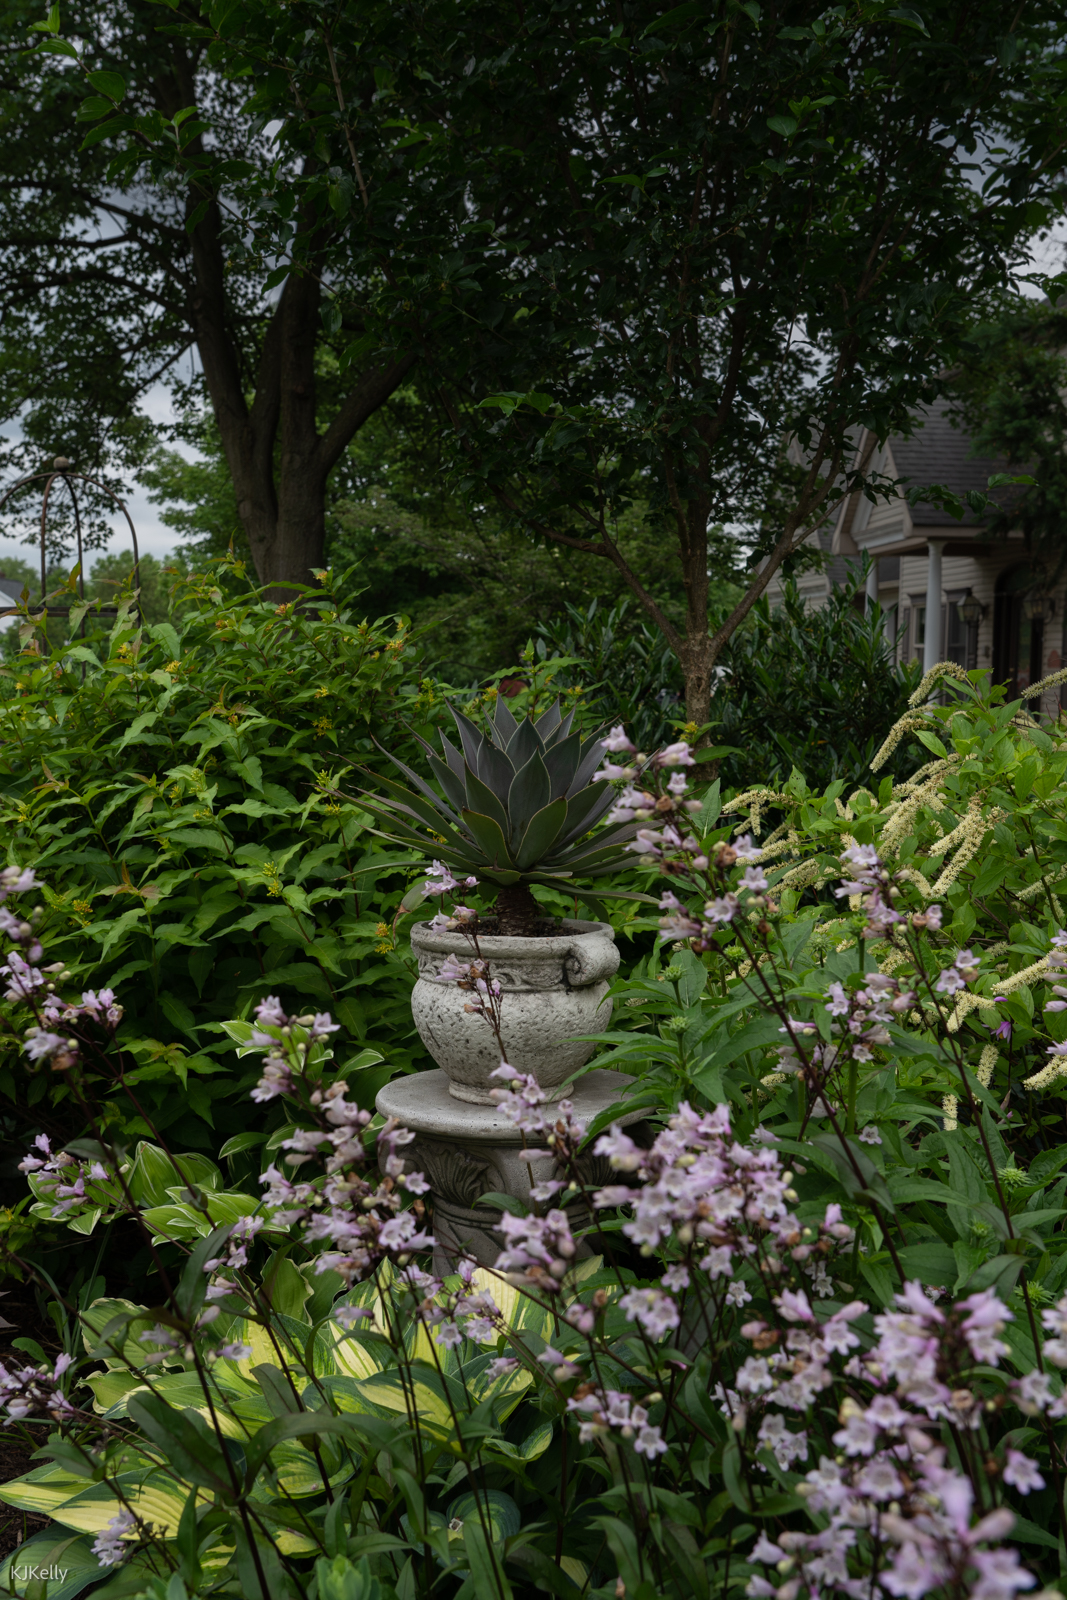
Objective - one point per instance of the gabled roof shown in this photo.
(939, 452)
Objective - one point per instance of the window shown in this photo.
(919, 627)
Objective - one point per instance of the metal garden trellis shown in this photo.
(62, 470)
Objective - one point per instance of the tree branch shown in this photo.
(371, 392)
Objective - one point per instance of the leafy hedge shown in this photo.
(178, 788)
(819, 1345)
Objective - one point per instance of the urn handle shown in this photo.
(590, 958)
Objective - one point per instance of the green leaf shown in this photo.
(541, 833)
(50, 25)
(504, 1517)
(178, 1013)
(879, 1279)
(188, 1543)
(910, 19)
(109, 84)
(694, 979)
(530, 791)
(732, 1477)
(870, 1186)
(487, 1570)
(931, 1262)
(94, 107)
(709, 812)
(53, 1548)
(931, 741)
(340, 1580)
(786, 126)
(490, 840)
(56, 47)
(241, 1141)
(186, 1441)
(678, 15)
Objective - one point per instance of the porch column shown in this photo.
(932, 645)
(872, 585)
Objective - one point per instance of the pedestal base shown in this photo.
(468, 1150)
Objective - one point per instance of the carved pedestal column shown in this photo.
(468, 1150)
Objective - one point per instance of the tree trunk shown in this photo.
(517, 912)
(278, 460)
(695, 653)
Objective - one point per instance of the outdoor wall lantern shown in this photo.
(971, 610)
(1038, 607)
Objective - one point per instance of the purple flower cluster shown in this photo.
(891, 1496)
(286, 1041)
(604, 1410)
(477, 979)
(71, 1185)
(538, 1251)
(19, 930)
(34, 1391)
(112, 1546)
(465, 1313)
(664, 809)
(29, 985)
(858, 1025)
(718, 1204)
(441, 881)
(875, 888)
(363, 1223)
(746, 892)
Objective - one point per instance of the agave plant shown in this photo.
(519, 804)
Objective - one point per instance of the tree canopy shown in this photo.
(637, 262)
(113, 280)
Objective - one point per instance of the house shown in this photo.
(947, 588)
(10, 590)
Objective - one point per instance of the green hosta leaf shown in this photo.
(180, 1221)
(111, 1331)
(535, 1444)
(186, 1441)
(286, 1287)
(504, 1517)
(241, 1142)
(487, 1570)
(154, 1174)
(43, 1491)
(55, 1548)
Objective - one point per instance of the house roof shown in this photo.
(939, 452)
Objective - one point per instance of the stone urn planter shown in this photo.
(553, 988)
